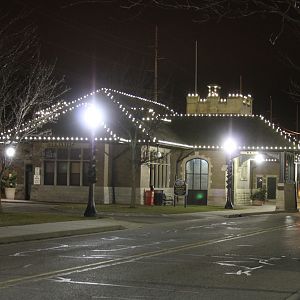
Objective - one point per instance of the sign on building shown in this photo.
(37, 179)
(180, 187)
(37, 170)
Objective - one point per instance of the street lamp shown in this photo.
(92, 117)
(259, 158)
(10, 152)
(229, 147)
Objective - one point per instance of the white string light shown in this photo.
(56, 110)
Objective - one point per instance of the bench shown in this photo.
(168, 200)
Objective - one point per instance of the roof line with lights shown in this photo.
(142, 99)
(60, 108)
(286, 135)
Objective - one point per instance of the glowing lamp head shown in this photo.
(92, 116)
(10, 152)
(230, 146)
(259, 158)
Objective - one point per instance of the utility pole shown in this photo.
(196, 68)
(271, 109)
(241, 85)
(155, 65)
(297, 116)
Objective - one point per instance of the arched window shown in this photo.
(197, 174)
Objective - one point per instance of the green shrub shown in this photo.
(9, 179)
(259, 195)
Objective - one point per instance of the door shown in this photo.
(196, 172)
(28, 181)
(271, 187)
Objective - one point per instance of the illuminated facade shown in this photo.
(53, 162)
(214, 104)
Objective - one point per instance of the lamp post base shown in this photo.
(90, 211)
(228, 205)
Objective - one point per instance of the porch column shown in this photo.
(105, 175)
(287, 199)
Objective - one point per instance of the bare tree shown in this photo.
(27, 84)
(285, 16)
(138, 126)
(287, 12)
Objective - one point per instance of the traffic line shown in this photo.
(131, 258)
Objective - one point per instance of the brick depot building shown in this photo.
(53, 162)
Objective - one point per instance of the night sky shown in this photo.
(104, 45)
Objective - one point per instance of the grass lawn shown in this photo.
(10, 219)
(73, 212)
(141, 209)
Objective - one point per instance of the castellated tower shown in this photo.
(214, 104)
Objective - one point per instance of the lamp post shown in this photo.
(229, 147)
(229, 204)
(92, 117)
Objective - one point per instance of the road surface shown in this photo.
(254, 257)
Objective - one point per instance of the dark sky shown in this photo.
(99, 45)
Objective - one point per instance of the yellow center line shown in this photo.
(122, 260)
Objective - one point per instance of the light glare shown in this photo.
(92, 116)
(230, 145)
(259, 158)
(10, 151)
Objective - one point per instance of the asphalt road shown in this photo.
(254, 257)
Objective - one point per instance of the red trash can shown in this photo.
(149, 198)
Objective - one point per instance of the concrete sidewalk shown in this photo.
(9, 234)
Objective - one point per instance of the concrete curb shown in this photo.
(295, 296)
(254, 213)
(56, 234)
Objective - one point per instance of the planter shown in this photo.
(10, 193)
(257, 202)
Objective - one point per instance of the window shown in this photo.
(85, 179)
(62, 172)
(197, 174)
(159, 170)
(75, 154)
(259, 182)
(75, 173)
(50, 153)
(66, 166)
(49, 172)
(86, 154)
(62, 153)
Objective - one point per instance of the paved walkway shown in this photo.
(9, 234)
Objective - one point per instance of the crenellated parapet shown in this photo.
(213, 103)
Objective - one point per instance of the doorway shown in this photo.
(271, 187)
(196, 176)
(28, 181)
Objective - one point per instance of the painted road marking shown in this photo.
(131, 258)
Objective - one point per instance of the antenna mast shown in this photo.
(155, 64)
(196, 67)
(271, 109)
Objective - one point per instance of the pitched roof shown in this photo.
(120, 110)
(203, 131)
